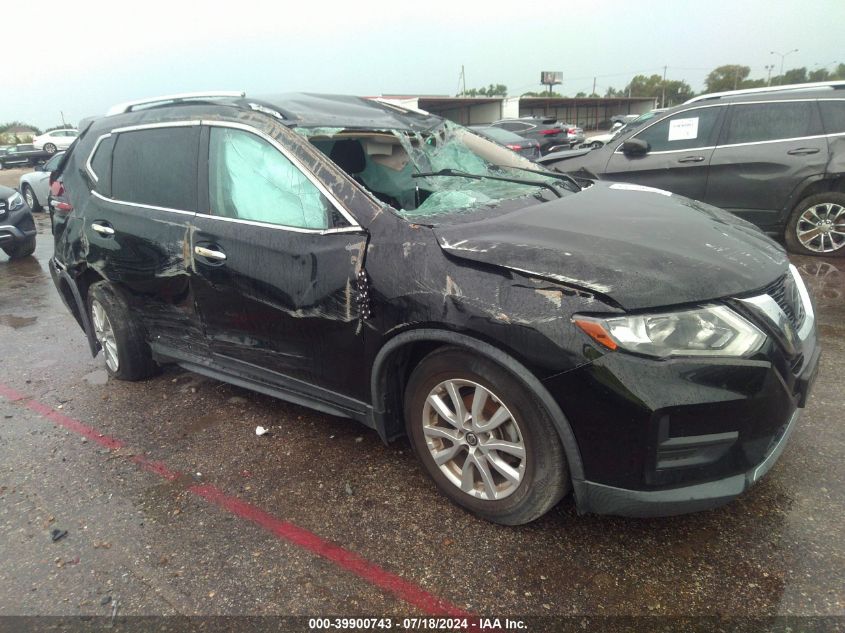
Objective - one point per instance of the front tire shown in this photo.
(31, 200)
(120, 335)
(816, 226)
(50, 148)
(484, 438)
(596, 145)
(21, 249)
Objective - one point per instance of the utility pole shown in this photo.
(62, 114)
(663, 93)
(594, 87)
(736, 77)
(769, 68)
(463, 81)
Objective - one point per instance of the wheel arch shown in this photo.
(397, 356)
(821, 183)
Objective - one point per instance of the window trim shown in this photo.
(354, 226)
(89, 167)
(353, 223)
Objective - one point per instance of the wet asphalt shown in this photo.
(139, 543)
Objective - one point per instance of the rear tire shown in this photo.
(21, 249)
(31, 200)
(513, 484)
(809, 230)
(121, 336)
(596, 145)
(50, 148)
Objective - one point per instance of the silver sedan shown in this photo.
(35, 185)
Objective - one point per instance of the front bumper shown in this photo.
(601, 499)
(16, 226)
(669, 437)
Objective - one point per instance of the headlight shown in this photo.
(15, 202)
(709, 331)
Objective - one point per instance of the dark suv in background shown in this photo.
(774, 157)
(531, 334)
(551, 134)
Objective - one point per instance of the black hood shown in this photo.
(641, 247)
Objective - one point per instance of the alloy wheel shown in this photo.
(821, 227)
(105, 334)
(474, 439)
(27, 195)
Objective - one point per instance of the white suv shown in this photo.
(55, 140)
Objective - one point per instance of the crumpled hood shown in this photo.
(641, 247)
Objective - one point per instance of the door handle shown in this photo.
(202, 251)
(801, 151)
(102, 229)
(691, 159)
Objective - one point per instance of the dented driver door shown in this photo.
(273, 276)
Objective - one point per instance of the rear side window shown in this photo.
(101, 165)
(249, 179)
(833, 115)
(686, 130)
(157, 167)
(752, 123)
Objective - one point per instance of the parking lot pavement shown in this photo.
(172, 504)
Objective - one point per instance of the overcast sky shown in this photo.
(107, 52)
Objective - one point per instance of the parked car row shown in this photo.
(548, 132)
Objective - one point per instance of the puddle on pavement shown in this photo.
(16, 322)
(97, 377)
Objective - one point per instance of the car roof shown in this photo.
(301, 109)
(818, 90)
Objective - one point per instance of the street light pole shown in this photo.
(782, 57)
(769, 68)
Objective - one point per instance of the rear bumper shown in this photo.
(602, 499)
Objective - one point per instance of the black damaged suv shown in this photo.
(531, 334)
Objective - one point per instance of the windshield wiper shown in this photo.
(550, 174)
(464, 174)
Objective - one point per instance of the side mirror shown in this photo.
(635, 147)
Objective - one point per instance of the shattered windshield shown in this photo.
(388, 162)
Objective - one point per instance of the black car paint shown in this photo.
(22, 155)
(359, 308)
(15, 226)
(760, 182)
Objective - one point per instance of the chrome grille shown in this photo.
(786, 295)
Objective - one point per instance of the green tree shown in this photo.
(493, 90)
(544, 93)
(727, 77)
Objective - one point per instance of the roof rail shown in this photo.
(122, 108)
(751, 91)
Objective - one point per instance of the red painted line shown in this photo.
(350, 561)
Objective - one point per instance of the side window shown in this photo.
(686, 130)
(157, 167)
(752, 123)
(833, 115)
(513, 126)
(249, 179)
(101, 165)
(51, 164)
